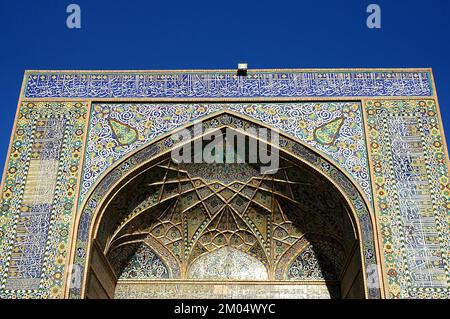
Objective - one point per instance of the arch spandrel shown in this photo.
(102, 192)
(334, 129)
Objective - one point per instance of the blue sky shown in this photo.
(189, 34)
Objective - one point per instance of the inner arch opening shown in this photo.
(226, 230)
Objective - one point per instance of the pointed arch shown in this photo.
(142, 159)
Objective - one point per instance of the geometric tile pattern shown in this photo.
(411, 187)
(230, 233)
(318, 83)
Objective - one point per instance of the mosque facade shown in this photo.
(94, 205)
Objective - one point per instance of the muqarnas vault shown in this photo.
(93, 206)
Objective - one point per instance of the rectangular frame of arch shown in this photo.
(403, 144)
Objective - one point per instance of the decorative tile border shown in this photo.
(189, 290)
(223, 84)
(36, 214)
(412, 196)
